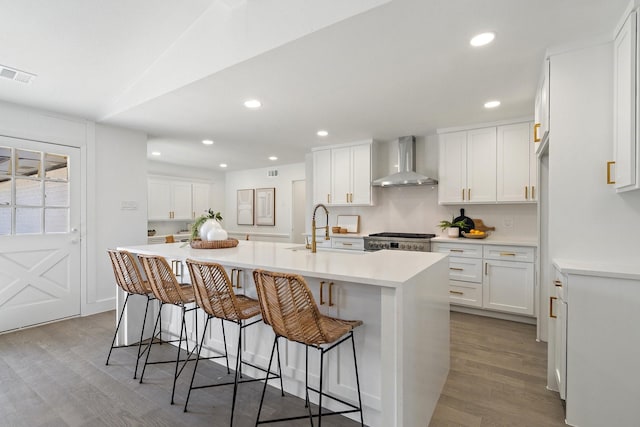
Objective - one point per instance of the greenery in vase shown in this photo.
(448, 224)
(210, 214)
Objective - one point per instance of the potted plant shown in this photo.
(207, 227)
(454, 227)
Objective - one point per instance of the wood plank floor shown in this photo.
(54, 375)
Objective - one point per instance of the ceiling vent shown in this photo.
(16, 75)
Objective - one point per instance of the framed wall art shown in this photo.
(245, 207)
(266, 206)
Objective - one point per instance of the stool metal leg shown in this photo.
(155, 326)
(144, 322)
(266, 379)
(279, 369)
(355, 364)
(115, 334)
(183, 328)
(224, 339)
(204, 333)
(320, 392)
(237, 374)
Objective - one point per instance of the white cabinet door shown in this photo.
(159, 200)
(453, 167)
(508, 286)
(181, 200)
(513, 150)
(625, 139)
(200, 199)
(481, 165)
(322, 176)
(340, 175)
(361, 174)
(561, 347)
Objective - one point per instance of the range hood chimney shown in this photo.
(406, 174)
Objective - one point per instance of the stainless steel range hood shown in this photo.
(407, 167)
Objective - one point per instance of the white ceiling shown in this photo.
(180, 71)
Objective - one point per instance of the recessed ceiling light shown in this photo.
(482, 39)
(322, 133)
(253, 103)
(491, 104)
(155, 153)
(273, 158)
(207, 142)
(223, 165)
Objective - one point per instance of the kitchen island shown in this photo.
(402, 298)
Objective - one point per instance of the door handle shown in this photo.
(321, 291)
(331, 294)
(558, 283)
(456, 269)
(609, 180)
(536, 128)
(551, 307)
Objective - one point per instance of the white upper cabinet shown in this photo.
(342, 175)
(625, 139)
(321, 176)
(488, 165)
(481, 165)
(200, 199)
(174, 199)
(541, 124)
(517, 170)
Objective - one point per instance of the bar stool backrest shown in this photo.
(163, 282)
(289, 307)
(127, 273)
(213, 290)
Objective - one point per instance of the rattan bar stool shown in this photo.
(214, 294)
(289, 307)
(130, 280)
(167, 290)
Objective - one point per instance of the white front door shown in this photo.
(39, 232)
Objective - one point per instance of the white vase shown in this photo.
(217, 234)
(208, 225)
(453, 232)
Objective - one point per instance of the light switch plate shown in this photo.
(129, 205)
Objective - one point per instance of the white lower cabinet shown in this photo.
(493, 277)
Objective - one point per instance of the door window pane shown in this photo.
(5, 191)
(28, 192)
(28, 163)
(56, 166)
(56, 220)
(28, 220)
(5, 221)
(5, 161)
(56, 193)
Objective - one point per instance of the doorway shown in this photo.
(298, 203)
(39, 237)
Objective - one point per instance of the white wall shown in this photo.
(258, 178)
(118, 178)
(588, 220)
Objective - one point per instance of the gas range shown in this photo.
(398, 241)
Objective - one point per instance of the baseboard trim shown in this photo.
(494, 314)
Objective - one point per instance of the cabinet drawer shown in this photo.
(509, 253)
(356, 244)
(464, 293)
(465, 269)
(458, 249)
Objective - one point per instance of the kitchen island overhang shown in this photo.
(402, 297)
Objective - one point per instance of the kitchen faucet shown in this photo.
(314, 228)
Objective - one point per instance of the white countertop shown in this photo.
(381, 268)
(584, 268)
(489, 240)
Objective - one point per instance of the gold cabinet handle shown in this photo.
(507, 254)
(609, 180)
(551, 307)
(456, 250)
(176, 266)
(456, 292)
(468, 194)
(328, 200)
(463, 194)
(533, 192)
(321, 292)
(486, 268)
(456, 269)
(330, 294)
(236, 272)
(347, 244)
(536, 128)
(558, 283)
(526, 192)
